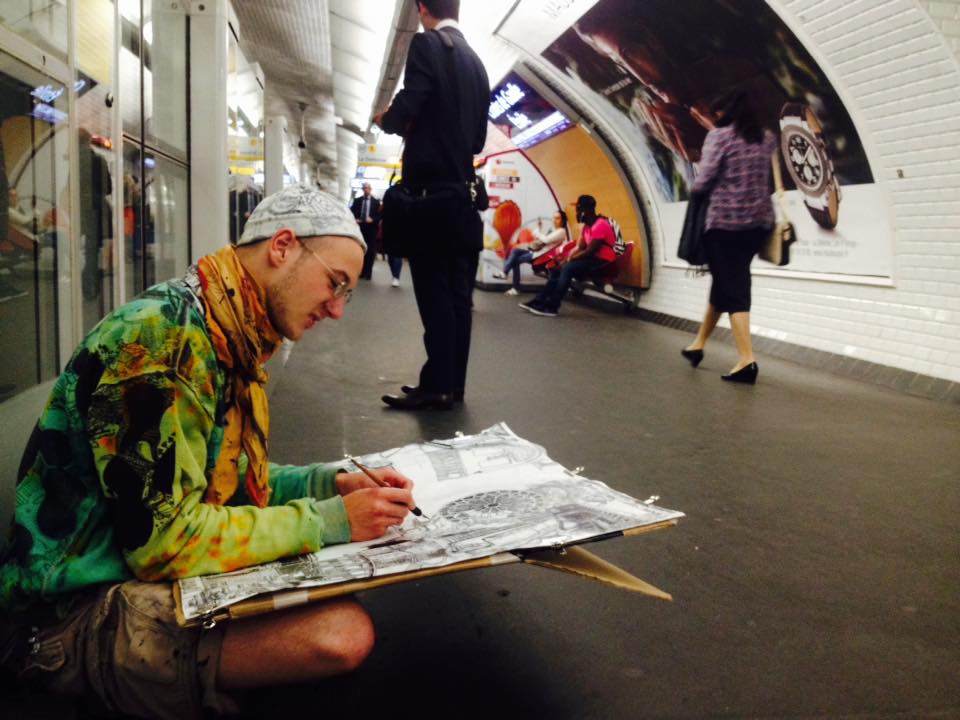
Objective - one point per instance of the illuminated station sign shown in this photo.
(523, 115)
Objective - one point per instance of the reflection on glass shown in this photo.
(95, 58)
(244, 137)
(34, 229)
(167, 193)
(165, 77)
(243, 196)
(155, 219)
(129, 58)
(43, 24)
(96, 226)
(133, 234)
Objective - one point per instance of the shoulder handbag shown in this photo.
(552, 259)
(691, 246)
(412, 215)
(776, 248)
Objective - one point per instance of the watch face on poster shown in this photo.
(808, 162)
(805, 162)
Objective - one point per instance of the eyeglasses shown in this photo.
(341, 288)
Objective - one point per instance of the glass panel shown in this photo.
(43, 24)
(34, 228)
(94, 100)
(130, 48)
(165, 78)
(167, 231)
(244, 138)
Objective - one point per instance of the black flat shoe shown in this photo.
(420, 401)
(695, 357)
(414, 389)
(747, 375)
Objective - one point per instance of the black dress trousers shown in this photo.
(443, 286)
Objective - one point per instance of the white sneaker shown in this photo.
(511, 292)
(395, 283)
(499, 275)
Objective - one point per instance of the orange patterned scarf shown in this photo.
(243, 338)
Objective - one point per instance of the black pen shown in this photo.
(366, 471)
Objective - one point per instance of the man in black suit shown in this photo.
(442, 115)
(366, 209)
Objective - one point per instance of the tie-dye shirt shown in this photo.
(113, 479)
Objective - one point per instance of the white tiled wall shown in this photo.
(895, 63)
(946, 15)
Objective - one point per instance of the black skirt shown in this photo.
(729, 253)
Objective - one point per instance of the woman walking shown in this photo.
(735, 170)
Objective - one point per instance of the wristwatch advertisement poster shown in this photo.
(807, 159)
(657, 77)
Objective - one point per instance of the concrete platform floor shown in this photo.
(816, 573)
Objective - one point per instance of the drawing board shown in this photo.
(492, 496)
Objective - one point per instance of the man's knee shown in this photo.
(351, 639)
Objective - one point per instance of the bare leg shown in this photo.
(740, 324)
(710, 318)
(296, 645)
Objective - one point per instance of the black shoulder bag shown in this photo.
(691, 246)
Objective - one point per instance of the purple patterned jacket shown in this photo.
(737, 175)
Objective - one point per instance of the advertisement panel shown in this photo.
(521, 202)
(653, 70)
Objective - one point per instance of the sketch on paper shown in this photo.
(483, 494)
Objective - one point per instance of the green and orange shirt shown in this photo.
(113, 480)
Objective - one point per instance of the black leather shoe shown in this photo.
(414, 389)
(420, 401)
(747, 374)
(694, 357)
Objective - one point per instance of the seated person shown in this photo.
(593, 250)
(150, 464)
(526, 253)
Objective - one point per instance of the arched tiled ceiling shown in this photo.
(359, 30)
(321, 60)
(330, 64)
(290, 39)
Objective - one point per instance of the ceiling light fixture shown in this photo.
(303, 114)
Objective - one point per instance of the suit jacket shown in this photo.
(443, 127)
(357, 207)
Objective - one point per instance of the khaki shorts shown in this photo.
(123, 652)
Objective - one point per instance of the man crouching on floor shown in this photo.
(150, 464)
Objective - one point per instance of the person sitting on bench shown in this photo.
(593, 251)
(528, 252)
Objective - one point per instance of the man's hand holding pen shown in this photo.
(376, 504)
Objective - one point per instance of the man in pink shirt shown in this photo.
(594, 250)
